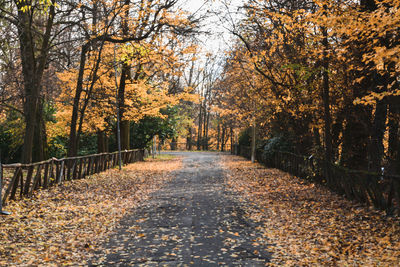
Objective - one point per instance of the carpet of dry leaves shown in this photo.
(66, 224)
(307, 225)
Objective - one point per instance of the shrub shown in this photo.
(277, 143)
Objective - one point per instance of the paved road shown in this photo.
(193, 221)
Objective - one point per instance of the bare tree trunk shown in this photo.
(199, 130)
(394, 144)
(317, 137)
(218, 134)
(337, 129)
(34, 55)
(206, 131)
(326, 99)
(189, 139)
(253, 142)
(223, 139)
(73, 142)
(232, 140)
(125, 135)
(40, 137)
(101, 142)
(173, 144)
(125, 124)
(356, 137)
(357, 133)
(30, 111)
(75, 133)
(378, 131)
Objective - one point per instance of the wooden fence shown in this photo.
(21, 180)
(377, 189)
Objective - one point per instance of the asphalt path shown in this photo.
(192, 221)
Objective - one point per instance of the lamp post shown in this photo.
(118, 118)
(253, 135)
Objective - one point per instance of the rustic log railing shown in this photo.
(21, 180)
(377, 189)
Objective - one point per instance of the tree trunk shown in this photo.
(173, 144)
(199, 130)
(40, 139)
(189, 139)
(30, 111)
(317, 138)
(206, 131)
(125, 75)
(232, 140)
(337, 129)
(218, 134)
(125, 135)
(356, 138)
(102, 142)
(223, 139)
(203, 141)
(326, 99)
(74, 137)
(378, 131)
(72, 141)
(125, 124)
(253, 142)
(34, 55)
(394, 144)
(357, 132)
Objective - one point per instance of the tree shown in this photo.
(34, 22)
(152, 19)
(322, 71)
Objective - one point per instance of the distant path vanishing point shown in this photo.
(193, 221)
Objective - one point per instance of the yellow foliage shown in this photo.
(146, 90)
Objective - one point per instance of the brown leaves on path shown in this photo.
(66, 224)
(307, 225)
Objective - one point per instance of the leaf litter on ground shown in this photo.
(66, 224)
(307, 225)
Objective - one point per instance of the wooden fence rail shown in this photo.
(377, 189)
(21, 180)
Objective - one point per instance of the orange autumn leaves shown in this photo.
(277, 61)
(65, 225)
(144, 96)
(152, 63)
(307, 225)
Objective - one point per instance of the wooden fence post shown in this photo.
(81, 160)
(36, 180)
(2, 212)
(28, 181)
(61, 173)
(56, 171)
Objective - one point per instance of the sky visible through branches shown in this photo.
(220, 14)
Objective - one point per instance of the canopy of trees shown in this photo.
(67, 68)
(323, 74)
